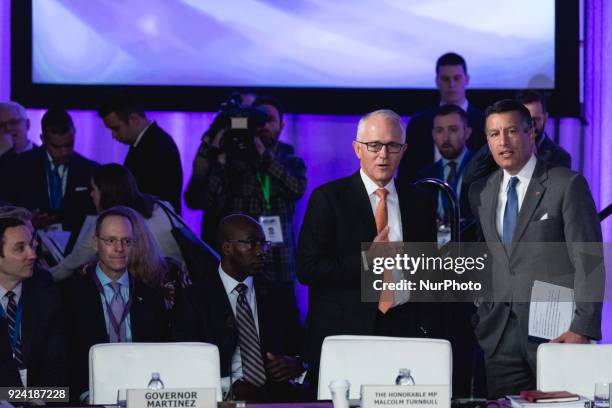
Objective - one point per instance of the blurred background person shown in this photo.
(112, 185)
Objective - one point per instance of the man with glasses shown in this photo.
(32, 343)
(106, 304)
(253, 321)
(14, 126)
(369, 206)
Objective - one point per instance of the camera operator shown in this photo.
(242, 168)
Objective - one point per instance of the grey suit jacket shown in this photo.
(557, 239)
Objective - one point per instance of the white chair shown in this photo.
(377, 360)
(115, 366)
(573, 367)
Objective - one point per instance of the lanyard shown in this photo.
(18, 317)
(111, 316)
(265, 188)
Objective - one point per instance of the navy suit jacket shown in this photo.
(43, 338)
(156, 165)
(87, 327)
(420, 144)
(25, 185)
(436, 171)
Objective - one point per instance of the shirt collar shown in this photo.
(16, 290)
(105, 280)
(230, 283)
(28, 147)
(524, 175)
(59, 167)
(458, 159)
(142, 132)
(463, 105)
(371, 186)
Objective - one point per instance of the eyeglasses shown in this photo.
(253, 243)
(11, 123)
(111, 242)
(375, 147)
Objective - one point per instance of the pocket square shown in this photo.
(544, 217)
(80, 188)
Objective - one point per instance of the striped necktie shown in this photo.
(11, 317)
(253, 369)
(381, 217)
(117, 306)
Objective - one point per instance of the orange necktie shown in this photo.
(381, 217)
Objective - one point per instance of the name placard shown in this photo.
(405, 396)
(172, 398)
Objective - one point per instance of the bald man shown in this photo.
(254, 323)
(340, 216)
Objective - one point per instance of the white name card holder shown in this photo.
(172, 398)
(405, 396)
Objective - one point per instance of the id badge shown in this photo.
(271, 225)
(24, 376)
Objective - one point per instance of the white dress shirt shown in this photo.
(230, 284)
(524, 177)
(394, 220)
(142, 132)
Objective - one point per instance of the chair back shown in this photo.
(573, 367)
(114, 366)
(377, 360)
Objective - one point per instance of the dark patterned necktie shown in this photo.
(250, 349)
(11, 317)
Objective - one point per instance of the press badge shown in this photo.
(271, 225)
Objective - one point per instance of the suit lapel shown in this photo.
(363, 208)
(406, 212)
(534, 194)
(488, 207)
(264, 311)
(41, 169)
(30, 318)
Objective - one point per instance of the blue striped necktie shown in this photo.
(253, 369)
(11, 317)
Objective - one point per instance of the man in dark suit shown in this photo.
(153, 157)
(106, 304)
(450, 133)
(32, 343)
(451, 80)
(54, 181)
(254, 323)
(524, 208)
(547, 150)
(369, 206)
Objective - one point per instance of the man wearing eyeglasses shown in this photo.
(32, 343)
(253, 321)
(14, 126)
(369, 206)
(106, 304)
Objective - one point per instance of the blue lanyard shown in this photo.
(17, 334)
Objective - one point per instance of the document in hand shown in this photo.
(551, 310)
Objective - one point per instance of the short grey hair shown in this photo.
(388, 114)
(10, 105)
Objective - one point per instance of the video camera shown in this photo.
(240, 124)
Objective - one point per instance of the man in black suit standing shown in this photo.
(105, 304)
(483, 163)
(369, 206)
(32, 343)
(451, 80)
(254, 322)
(52, 182)
(153, 157)
(540, 224)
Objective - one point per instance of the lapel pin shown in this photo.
(139, 299)
(537, 193)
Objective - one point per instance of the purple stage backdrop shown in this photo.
(325, 141)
